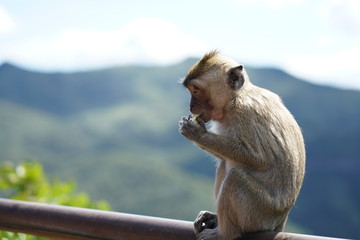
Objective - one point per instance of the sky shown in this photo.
(317, 40)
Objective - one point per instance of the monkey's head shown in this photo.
(213, 83)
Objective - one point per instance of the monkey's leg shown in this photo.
(245, 205)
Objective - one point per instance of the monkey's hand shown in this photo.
(192, 130)
(205, 220)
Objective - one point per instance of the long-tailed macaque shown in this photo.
(257, 143)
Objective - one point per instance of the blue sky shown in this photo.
(317, 40)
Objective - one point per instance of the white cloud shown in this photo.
(142, 41)
(6, 22)
(273, 4)
(344, 15)
(339, 68)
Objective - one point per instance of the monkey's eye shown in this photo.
(195, 90)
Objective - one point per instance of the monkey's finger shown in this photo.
(200, 122)
(206, 216)
(183, 128)
(211, 223)
(208, 234)
(185, 119)
(198, 226)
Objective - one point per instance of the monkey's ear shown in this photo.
(236, 77)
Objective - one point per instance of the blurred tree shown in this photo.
(27, 181)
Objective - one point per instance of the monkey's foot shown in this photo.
(208, 234)
(205, 220)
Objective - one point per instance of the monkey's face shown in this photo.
(210, 95)
(200, 102)
(213, 82)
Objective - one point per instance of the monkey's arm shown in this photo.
(223, 147)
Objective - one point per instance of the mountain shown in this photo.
(115, 131)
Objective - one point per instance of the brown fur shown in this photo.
(258, 144)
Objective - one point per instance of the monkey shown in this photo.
(257, 143)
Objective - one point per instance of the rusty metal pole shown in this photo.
(69, 223)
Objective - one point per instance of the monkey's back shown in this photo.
(264, 124)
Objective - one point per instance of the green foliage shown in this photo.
(27, 181)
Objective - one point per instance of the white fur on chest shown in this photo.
(216, 128)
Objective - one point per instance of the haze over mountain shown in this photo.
(115, 132)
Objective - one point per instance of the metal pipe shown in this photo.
(65, 223)
(70, 223)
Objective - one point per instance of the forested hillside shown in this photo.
(115, 132)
